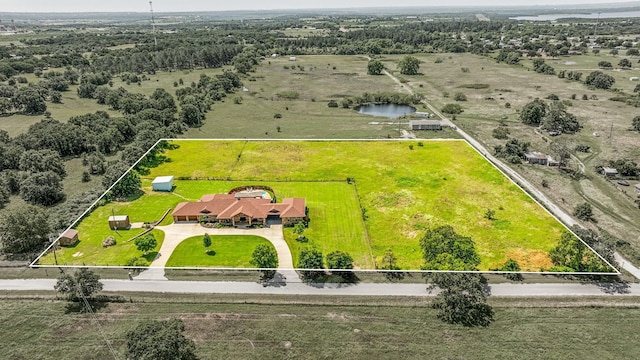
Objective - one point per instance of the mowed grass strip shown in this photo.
(226, 251)
(404, 191)
(32, 329)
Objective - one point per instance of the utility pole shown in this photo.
(153, 24)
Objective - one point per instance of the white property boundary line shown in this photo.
(617, 272)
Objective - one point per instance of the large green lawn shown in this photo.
(226, 251)
(404, 192)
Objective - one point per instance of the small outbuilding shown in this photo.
(425, 125)
(68, 237)
(535, 157)
(119, 222)
(162, 183)
(609, 172)
(634, 78)
(292, 58)
(637, 187)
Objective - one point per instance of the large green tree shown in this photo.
(83, 283)
(444, 249)
(146, 243)
(375, 67)
(409, 65)
(129, 184)
(265, 257)
(600, 80)
(310, 258)
(43, 188)
(24, 229)
(533, 112)
(462, 299)
(340, 260)
(159, 340)
(558, 119)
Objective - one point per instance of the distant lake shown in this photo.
(604, 15)
(390, 111)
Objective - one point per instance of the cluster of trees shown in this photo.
(312, 259)
(625, 167)
(571, 255)
(513, 150)
(552, 117)
(540, 66)
(462, 298)
(599, 80)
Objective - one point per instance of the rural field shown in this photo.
(490, 86)
(401, 189)
(268, 327)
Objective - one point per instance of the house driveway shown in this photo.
(174, 234)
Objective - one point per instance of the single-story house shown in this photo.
(609, 172)
(162, 183)
(236, 209)
(535, 157)
(425, 125)
(68, 237)
(119, 222)
(552, 162)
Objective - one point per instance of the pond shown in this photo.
(390, 111)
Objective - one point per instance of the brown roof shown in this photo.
(226, 206)
(70, 234)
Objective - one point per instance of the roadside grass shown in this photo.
(260, 327)
(226, 251)
(403, 191)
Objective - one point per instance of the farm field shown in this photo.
(401, 189)
(259, 327)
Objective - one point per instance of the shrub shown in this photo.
(459, 97)
(110, 241)
(452, 109)
(332, 104)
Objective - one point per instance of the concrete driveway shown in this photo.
(174, 234)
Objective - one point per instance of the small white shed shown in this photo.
(163, 183)
(292, 58)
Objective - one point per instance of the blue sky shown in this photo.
(199, 5)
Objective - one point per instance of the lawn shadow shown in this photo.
(75, 244)
(150, 256)
(333, 281)
(607, 284)
(278, 280)
(97, 303)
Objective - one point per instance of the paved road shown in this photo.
(365, 289)
(174, 234)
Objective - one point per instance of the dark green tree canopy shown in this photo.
(409, 65)
(533, 112)
(444, 249)
(159, 340)
(462, 299)
(375, 67)
(82, 283)
(24, 229)
(310, 258)
(265, 257)
(600, 80)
